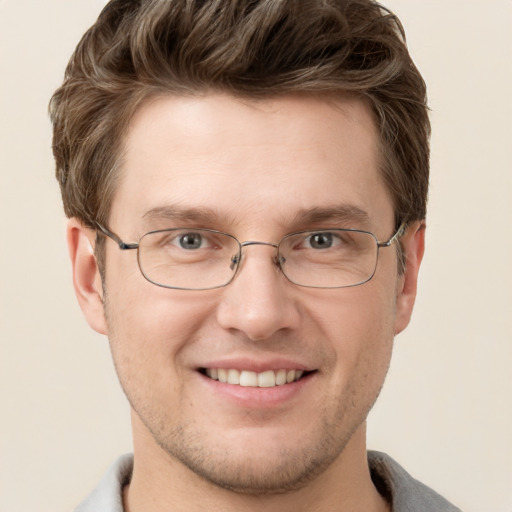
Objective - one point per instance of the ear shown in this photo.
(86, 276)
(413, 245)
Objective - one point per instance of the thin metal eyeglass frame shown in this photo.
(124, 246)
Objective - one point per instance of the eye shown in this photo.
(321, 241)
(190, 241)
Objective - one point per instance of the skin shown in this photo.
(257, 166)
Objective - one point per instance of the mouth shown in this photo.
(246, 378)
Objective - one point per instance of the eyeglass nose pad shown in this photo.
(278, 260)
(234, 261)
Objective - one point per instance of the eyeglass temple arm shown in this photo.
(122, 245)
(399, 232)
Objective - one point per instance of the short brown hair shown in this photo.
(250, 48)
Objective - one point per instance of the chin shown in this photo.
(256, 462)
(258, 475)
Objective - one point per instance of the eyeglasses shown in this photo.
(203, 259)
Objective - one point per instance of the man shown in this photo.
(246, 184)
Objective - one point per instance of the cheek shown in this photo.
(148, 336)
(359, 326)
(149, 327)
(365, 312)
(142, 313)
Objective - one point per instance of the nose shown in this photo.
(259, 302)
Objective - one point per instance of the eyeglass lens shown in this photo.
(201, 259)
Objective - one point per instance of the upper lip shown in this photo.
(258, 366)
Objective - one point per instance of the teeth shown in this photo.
(280, 377)
(248, 379)
(233, 377)
(267, 379)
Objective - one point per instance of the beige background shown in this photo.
(446, 411)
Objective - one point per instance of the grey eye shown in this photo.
(191, 241)
(320, 241)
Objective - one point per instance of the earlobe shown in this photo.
(86, 276)
(413, 244)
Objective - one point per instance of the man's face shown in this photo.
(260, 170)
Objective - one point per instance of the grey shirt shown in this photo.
(404, 492)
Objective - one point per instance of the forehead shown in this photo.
(250, 160)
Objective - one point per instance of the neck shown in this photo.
(160, 482)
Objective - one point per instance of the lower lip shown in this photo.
(258, 398)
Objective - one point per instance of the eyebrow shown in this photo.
(199, 215)
(341, 214)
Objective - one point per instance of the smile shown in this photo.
(266, 379)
